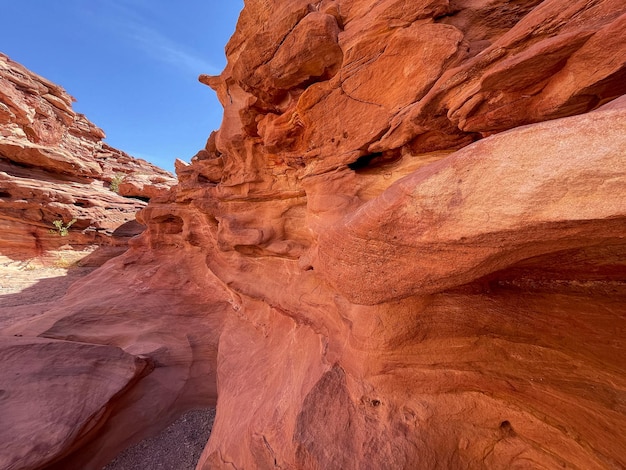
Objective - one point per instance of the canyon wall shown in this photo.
(404, 247)
(55, 168)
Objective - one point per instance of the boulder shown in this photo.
(56, 395)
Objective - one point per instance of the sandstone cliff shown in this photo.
(404, 247)
(55, 167)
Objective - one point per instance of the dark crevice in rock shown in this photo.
(140, 198)
(364, 161)
(374, 161)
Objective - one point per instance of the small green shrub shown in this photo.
(115, 182)
(62, 229)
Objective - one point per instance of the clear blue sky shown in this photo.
(132, 65)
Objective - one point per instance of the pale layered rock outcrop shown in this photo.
(404, 247)
(54, 166)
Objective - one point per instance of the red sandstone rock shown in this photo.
(520, 194)
(55, 167)
(355, 291)
(56, 395)
(127, 311)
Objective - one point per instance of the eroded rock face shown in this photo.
(55, 167)
(55, 395)
(353, 289)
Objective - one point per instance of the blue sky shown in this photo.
(132, 65)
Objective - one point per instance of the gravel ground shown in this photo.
(177, 447)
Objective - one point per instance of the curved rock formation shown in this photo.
(353, 289)
(54, 167)
(91, 376)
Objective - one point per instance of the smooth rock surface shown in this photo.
(56, 395)
(510, 197)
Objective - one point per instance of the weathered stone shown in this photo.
(55, 396)
(54, 168)
(520, 194)
(359, 284)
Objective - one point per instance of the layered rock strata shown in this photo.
(55, 168)
(404, 247)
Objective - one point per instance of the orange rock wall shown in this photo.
(403, 248)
